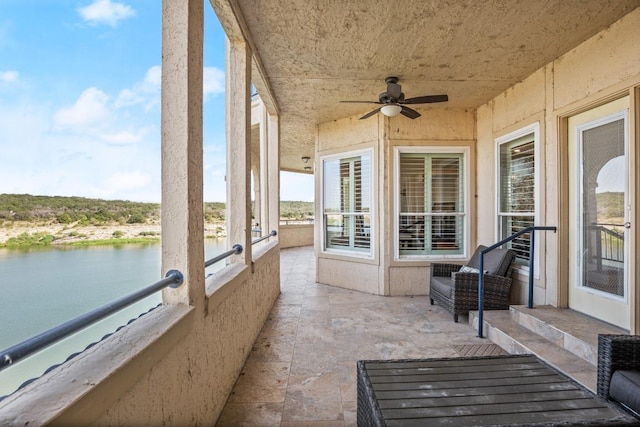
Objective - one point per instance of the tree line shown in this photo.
(87, 211)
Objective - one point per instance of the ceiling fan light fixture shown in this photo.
(391, 110)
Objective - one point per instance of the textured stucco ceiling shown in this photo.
(314, 53)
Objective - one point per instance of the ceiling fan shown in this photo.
(393, 101)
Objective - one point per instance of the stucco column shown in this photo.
(181, 128)
(273, 173)
(262, 209)
(238, 125)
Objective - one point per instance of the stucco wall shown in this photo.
(340, 269)
(294, 235)
(197, 376)
(602, 67)
(382, 273)
(436, 128)
(175, 366)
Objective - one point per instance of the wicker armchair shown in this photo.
(457, 291)
(619, 370)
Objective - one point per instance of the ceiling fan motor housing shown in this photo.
(384, 98)
(393, 101)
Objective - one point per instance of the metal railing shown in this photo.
(260, 239)
(531, 230)
(609, 244)
(235, 250)
(173, 279)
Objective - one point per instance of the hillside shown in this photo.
(27, 220)
(84, 211)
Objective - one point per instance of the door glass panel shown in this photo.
(603, 207)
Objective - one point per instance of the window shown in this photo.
(517, 188)
(347, 203)
(431, 202)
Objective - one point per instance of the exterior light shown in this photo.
(307, 168)
(391, 110)
(306, 159)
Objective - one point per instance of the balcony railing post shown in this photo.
(531, 273)
(481, 296)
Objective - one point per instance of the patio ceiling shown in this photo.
(310, 54)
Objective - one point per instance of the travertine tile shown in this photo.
(261, 382)
(254, 414)
(302, 369)
(312, 398)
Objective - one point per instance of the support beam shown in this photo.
(238, 125)
(273, 174)
(181, 128)
(264, 173)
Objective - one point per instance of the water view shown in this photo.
(42, 288)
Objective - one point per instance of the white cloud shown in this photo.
(106, 12)
(90, 108)
(122, 138)
(146, 92)
(213, 81)
(153, 77)
(8, 76)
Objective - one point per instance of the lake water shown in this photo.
(43, 287)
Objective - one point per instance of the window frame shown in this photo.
(532, 129)
(372, 221)
(465, 152)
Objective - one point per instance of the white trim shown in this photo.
(466, 174)
(372, 191)
(610, 118)
(534, 129)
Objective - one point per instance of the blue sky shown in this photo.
(80, 101)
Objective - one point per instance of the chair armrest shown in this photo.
(468, 282)
(440, 269)
(616, 352)
(496, 291)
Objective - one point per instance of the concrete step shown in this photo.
(568, 329)
(565, 339)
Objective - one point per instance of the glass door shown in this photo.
(599, 213)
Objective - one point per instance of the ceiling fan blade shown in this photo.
(369, 114)
(361, 102)
(409, 112)
(426, 99)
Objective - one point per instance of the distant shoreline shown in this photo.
(26, 234)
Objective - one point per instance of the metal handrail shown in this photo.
(260, 239)
(173, 278)
(13, 354)
(497, 245)
(236, 250)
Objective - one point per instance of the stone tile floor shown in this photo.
(302, 369)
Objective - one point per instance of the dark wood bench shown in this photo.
(478, 391)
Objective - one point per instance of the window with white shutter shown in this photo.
(431, 204)
(516, 195)
(347, 203)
